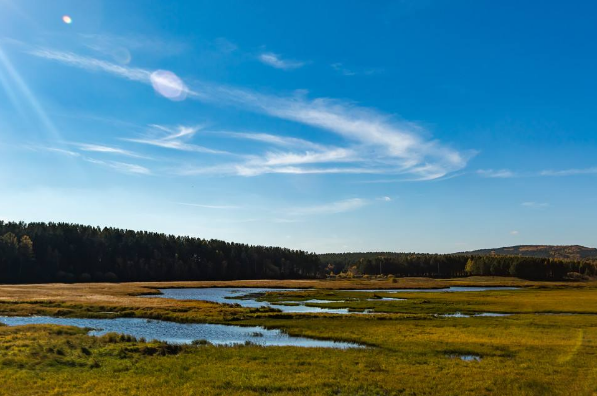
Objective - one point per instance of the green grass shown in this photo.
(528, 300)
(409, 353)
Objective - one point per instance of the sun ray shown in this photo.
(12, 77)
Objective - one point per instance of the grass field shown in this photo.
(411, 349)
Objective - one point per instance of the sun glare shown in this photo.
(66, 19)
(168, 85)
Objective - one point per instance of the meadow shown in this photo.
(547, 346)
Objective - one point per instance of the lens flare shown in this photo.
(168, 85)
(66, 19)
(121, 55)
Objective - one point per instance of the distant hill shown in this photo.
(572, 252)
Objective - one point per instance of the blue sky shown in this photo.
(429, 126)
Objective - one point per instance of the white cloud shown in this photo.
(569, 172)
(498, 174)
(180, 131)
(398, 146)
(106, 149)
(121, 166)
(390, 146)
(88, 63)
(339, 67)
(255, 171)
(113, 45)
(276, 140)
(345, 71)
(130, 73)
(506, 173)
(174, 139)
(378, 142)
(308, 157)
(346, 205)
(62, 151)
(274, 60)
(385, 199)
(514, 232)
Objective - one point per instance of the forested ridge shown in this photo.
(571, 252)
(454, 265)
(63, 252)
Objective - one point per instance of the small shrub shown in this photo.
(576, 276)
(110, 338)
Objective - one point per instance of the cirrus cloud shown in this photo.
(276, 61)
(374, 142)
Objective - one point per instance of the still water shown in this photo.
(180, 333)
(247, 297)
(444, 290)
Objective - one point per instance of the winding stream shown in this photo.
(248, 297)
(186, 333)
(181, 333)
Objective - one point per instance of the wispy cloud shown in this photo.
(224, 45)
(295, 170)
(174, 138)
(88, 63)
(180, 131)
(62, 151)
(347, 205)
(164, 82)
(391, 146)
(498, 174)
(514, 232)
(398, 146)
(309, 157)
(121, 166)
(275, 60)
(106, 149)
(506, 173)
(569, 172)
(345, 71)
(536, 205)
(379, 143)
(277, 140)
(113, 45)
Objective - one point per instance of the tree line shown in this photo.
(454, 265)
(63, 252)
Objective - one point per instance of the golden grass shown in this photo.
(522, 354)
